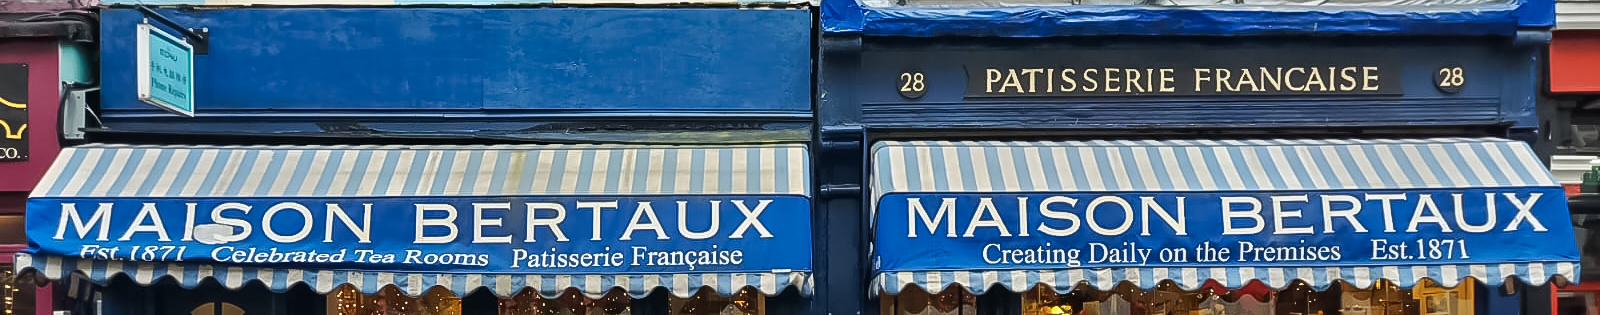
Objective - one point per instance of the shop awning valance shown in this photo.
(504, 219)
(1021, 214)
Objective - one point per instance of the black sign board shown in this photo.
(1156, 73)
(13, 112)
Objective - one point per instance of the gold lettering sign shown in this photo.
(1104, 81)
(13, 112)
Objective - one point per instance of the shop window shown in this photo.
(571, 302)
(1585, 140)
(1298, 298)
(16, 294)
(708, 302)
(390, 301)
(1586, 228)
(954, 300)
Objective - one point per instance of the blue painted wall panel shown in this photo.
(480, 62)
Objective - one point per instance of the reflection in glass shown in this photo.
(707, 302)
(16, 296)
(571, 302)
(954, 300)
(1298, 298)
(390, 301)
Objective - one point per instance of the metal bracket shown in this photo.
(199, 38)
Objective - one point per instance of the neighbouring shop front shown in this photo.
(44, 52)
(512, 229)
(1572, 86)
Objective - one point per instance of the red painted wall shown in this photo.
(44, 93)
(1575, 62)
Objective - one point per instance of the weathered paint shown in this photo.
(425, 66)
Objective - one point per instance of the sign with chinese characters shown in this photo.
(926, 231)
(13, 112)
(166, 71)
(657, 234)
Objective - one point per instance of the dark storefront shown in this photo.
(44, 57)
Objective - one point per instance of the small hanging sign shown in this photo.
(166, 70)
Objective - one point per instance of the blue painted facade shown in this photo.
(701, 75)
(470, 72)
(865, 48)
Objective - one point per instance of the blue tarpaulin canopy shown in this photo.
(1059, 214)
(1054, 18)
(500, 218)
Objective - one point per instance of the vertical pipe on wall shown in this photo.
(842, 269)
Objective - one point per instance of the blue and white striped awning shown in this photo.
(190, 276)
(243, 172)
(1065, 280)
(918, 167)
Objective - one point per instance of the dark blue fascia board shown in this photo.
(849, 16)
(302, 65)
(858, 87)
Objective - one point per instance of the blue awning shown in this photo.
(1060, 214)
(499, 218)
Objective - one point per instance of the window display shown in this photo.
(16, 294)
(570, 302)
(706, 302)
(1298, 298)
(954, 300)
(390, 301)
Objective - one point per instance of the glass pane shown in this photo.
(708, 302)
(1586, 228)
(1576, 303)
(16, 297)
(571, 302)
(1585, 139)
(954, 300)
(390, 301)
(1254, 299)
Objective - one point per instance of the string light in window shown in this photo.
(10, 292)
